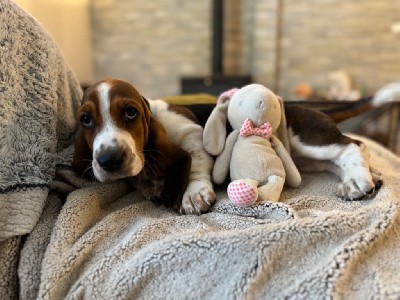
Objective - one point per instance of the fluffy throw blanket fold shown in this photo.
(38, 98)
(39, 95)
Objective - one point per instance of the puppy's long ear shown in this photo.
(82, 159)
(164, 160)
(281, 132)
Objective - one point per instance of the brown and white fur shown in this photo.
(183, 130)
(318, 145)
(125, 135)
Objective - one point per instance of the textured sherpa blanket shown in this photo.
(109, 243)
(38, 98)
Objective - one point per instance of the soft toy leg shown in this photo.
(243, 192)
(271, 191)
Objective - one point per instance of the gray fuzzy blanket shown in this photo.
(104, 241)
(38, 98)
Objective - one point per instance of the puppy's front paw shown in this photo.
(349, 191)
(360, 183)
(356, 189)
(198, 198)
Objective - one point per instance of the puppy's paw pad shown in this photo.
(198, 198)
(350, 190)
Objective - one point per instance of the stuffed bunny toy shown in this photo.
(259, 162)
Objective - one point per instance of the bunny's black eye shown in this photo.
(87, 121)
(130, 112)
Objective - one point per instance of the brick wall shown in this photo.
(154, 43)
(322, 36)
(151, 43)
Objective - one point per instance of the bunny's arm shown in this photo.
(293, 178)
(223, 160)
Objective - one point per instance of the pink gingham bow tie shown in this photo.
(265, 130)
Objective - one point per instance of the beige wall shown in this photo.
(68, 23)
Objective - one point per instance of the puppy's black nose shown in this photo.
(110, 160)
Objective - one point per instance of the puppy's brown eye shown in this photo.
(87, 121)
(130, 112)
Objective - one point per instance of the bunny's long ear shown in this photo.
(214, 133)
(282, 132)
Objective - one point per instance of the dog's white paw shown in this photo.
(357, 178)
(349, 191)
(357, 187)
(198, 198)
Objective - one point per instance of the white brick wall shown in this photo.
(151, 43)
(154, 43)
(322, 36)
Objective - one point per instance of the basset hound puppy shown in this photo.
(125, 135)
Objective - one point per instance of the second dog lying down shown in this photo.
(125, 135)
